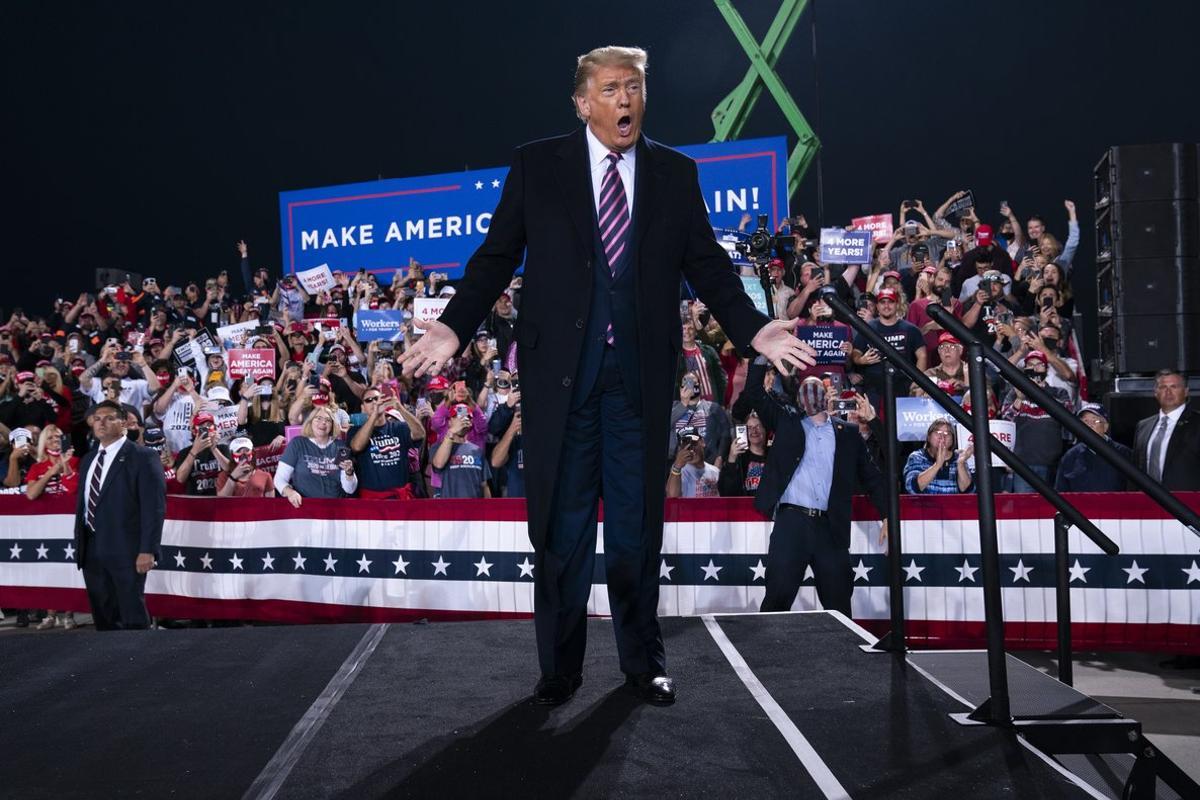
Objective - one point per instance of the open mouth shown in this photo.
(624, 125)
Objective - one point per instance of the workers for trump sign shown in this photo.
(383, 325)
(441, 219)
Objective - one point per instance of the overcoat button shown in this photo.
(566, 381)
(579, 323)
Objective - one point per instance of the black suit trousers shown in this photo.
(797, 542)
(602, 453)
(117, 595)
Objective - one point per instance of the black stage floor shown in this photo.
(360, 711)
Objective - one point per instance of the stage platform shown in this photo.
(779, 705)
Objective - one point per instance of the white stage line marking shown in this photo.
(817, 769)
(271, 779)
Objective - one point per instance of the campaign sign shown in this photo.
(840, 246)
(254, 363)
(238, 334)
(440, 220)
(383, 325)
(913, 416)
(754, 288)
(827, 340)
(961, 204)
(880, 226)
(1002, 430)
(427, 309)
(317, 279)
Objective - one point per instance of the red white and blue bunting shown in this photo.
(359, 560)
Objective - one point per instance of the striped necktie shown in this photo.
(94, 490)
(614, 219)
(1154, 459)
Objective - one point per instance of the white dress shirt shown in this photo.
(110, 457)
(598, 160)
(1172, 419)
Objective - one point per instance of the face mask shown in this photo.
(812, 396)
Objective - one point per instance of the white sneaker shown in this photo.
(45, 624)
(69, 622)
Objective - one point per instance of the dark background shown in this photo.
(151, 136)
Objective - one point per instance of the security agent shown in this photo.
(807, 486)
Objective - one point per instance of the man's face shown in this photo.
(1096, 422)
(755, 433)
(119, 368)
(614, 103)
(108, 425)
(941, 279)
(504, 306)
(1171, 392)
(886, 308)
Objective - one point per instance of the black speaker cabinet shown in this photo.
(1156, 229)
(1155, 286)
(1147, 172)
(1146, 343)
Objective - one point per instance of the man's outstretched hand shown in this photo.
(777, 341)
(432, 351)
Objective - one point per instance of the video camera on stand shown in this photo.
(759, 250)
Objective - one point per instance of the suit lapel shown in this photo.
(648, 177)
(115, 469)
(1176, 440)
(574, 178)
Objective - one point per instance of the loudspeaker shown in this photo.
(1154, 286)
(1146, 343)
(1156, 229)
(1147, 172)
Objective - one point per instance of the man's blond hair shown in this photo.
(610, 56)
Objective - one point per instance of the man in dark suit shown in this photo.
(1167, 445)
(118, 521)
(812, 467)
(607, 222)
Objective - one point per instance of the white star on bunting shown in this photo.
(759, 570)
(966, 572)
(180, 559)
(913, 571)
(478, 184)
(1135, 573)
(526, 568)
(268, 562)
(482, 567)
(861, 572)
(1020, 571)
(665, 570)
(298, 561)
(69, 552)
(236, 561)
(439, 566)
(42, 550)
(206, 561)
(400, 564)
(1079, 572)
(1193, 572)
(14, 551)
(711, 571)
(330, 562)
(364, 565)
(496, 184)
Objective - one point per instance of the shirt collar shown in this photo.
(598, 153)
(111, 450)
(1174, 415)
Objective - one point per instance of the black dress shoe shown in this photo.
(653, 688)
(553, 690)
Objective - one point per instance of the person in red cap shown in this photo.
(1039, 436)
(897, 332)
(938, 292)
(781, 293)
(30, 408)
(198, 464)
(951, 369)
(986, 255)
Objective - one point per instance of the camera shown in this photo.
(689, 383)
(817, 273)
(739, 433)
(1047, 302)
(462, 412)
(844, 405)
(385, 346)
(1004, 318)
(910, 204)
(758, 248)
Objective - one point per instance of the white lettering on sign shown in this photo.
(403, 230)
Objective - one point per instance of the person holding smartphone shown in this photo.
(381, 444)
(459, 463)
(747, 458)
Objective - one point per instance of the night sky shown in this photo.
(151, 136)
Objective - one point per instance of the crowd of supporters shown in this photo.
(338, 419)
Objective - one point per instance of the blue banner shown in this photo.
(441, 219)
(913, 416)
(382, 325)
(845, 247)
(828, 340)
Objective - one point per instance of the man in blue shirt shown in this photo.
(807, 486)
(380, 446)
